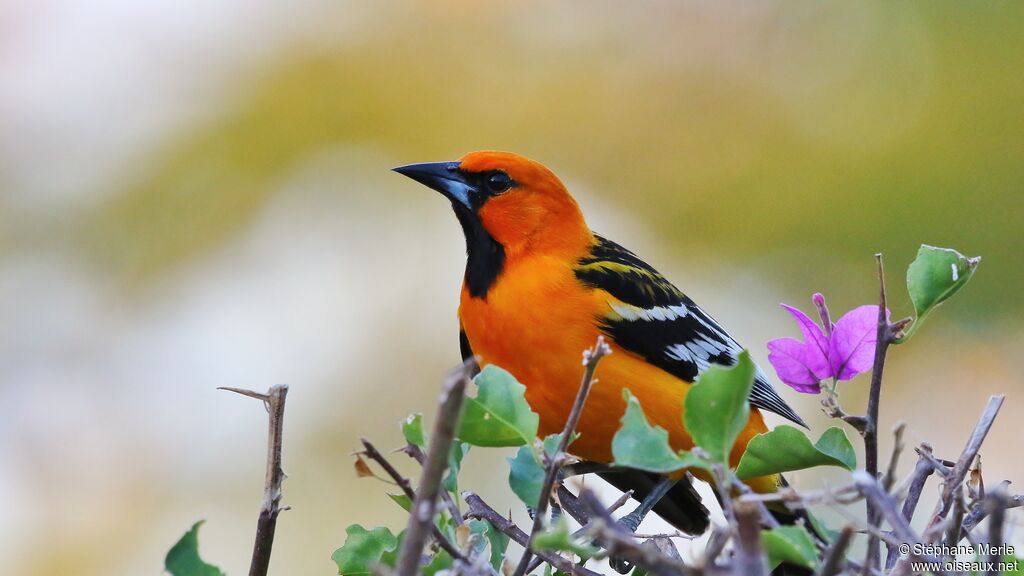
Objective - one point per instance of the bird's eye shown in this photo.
(498, 182)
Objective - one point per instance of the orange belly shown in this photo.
(538, 330)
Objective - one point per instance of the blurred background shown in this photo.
(197, 194)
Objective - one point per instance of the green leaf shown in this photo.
(639, 445)
(834, 443)
(526, 475)
(402, 500)
(496, 539)
(558, 539)
(412, 429)
(787, 448)
(717, 407)
(934, 276)
(183, 558)
(790, 544)
(455, 456)
(363, 549)
(499, 415)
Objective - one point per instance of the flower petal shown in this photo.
(852, 346)
(787, 357)
(816, 354)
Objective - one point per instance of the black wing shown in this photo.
(661, 324)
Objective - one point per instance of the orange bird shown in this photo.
(540, 287)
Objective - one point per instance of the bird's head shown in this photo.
(517, 202)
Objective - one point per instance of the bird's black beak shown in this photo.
(445, 177)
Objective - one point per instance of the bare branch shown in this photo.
(623, 545)
(749, 560)
(266, 526)
(414, 452)
(424, 506)
(997, 502)
(835, 556)
(590, 360)
(884, 337)
(372, 453)
(963, 464)
(479, 509)
(894, 459)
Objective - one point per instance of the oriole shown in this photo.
(540, 287)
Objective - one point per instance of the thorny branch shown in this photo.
(266, 526)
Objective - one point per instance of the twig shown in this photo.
(884, 337)
(980, 509)
(273, 400)
(719, 537)
(621, 544)
(590, 360)
(963, 464)
(477, 508)
(894, 459)
(997, 509)
(830, 405)
(572, 505)
(372, 453)
(835, 556)
(414, 452)
(748, 561)
(956, 519)
(922, 471)
(424, 506)
(937, 465)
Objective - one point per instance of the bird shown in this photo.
(540, 287)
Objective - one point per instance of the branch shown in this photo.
(922, 471)
(477, 508)
(414, 452)
(997, 503)
(835, 556)
(372, 453)
(273, 400)
(424, 506)
(590, 360)
(883, 337)
(894, 459)
(963, 464)
(622, 544)
(748, 561)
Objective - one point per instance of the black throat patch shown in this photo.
(485, 257)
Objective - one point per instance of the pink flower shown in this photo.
(841, 350)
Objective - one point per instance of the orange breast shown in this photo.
(536, 322)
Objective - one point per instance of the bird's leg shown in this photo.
(632, 520)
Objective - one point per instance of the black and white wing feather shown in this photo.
(654, 319)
